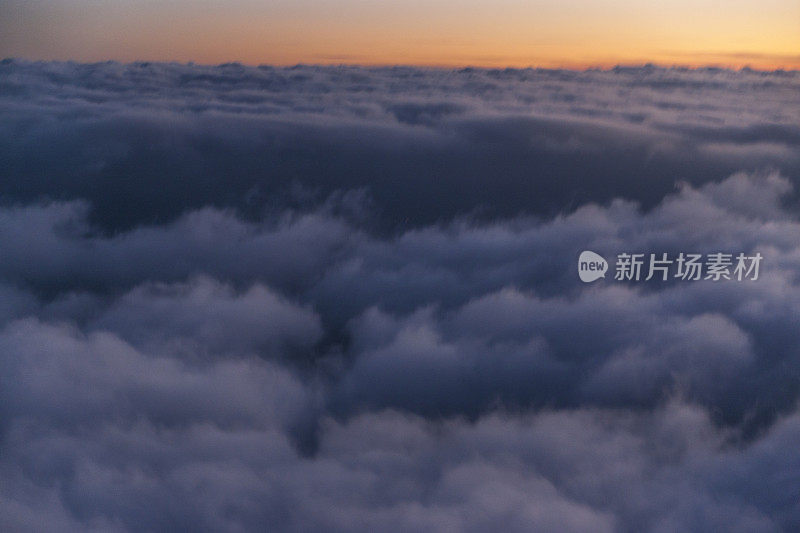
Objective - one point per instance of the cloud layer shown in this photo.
(427, 144)
(346, 299)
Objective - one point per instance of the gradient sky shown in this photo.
(576, 33)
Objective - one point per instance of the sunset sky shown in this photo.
(250, 281)
(577, 33)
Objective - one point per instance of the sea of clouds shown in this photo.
(340, 298)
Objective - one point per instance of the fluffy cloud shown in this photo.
(221, 405)
(346, 299)
(428, 144)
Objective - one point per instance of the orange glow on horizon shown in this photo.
(445, 33)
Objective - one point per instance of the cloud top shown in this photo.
(346, 299)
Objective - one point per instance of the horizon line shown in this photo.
(589, 67)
